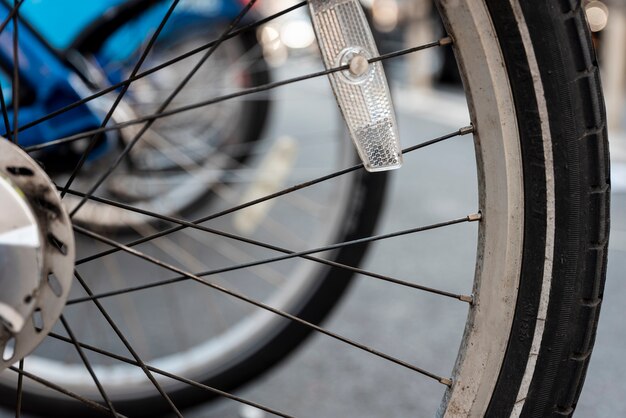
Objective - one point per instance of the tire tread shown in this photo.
(587, 86)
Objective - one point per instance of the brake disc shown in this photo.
(36, 254)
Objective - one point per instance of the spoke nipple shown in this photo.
(445, 41)
(465, 298)
(466, 130)
(474, 217)
(446, 381)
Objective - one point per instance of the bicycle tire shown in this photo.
(569, 72)
(553, 76)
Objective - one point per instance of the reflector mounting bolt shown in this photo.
(358, 65)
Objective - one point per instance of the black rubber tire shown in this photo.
(569, 73)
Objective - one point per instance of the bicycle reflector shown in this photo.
(346, 41)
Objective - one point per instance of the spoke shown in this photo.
(16, 73)
(5, 115)
(463, 131)
(57, 388)
(187, 224)
(169, 375)
(94, 140)
(124, 341)
(20, 388)
(14, 10)
(241, 93)
(3, 105)
(162, 108)
(443, 380)
(465, 298)
(88, 366)
(195, 51)
(441, 42)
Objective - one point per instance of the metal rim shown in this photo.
(501, 229)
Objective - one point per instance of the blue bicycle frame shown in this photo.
(48, 77)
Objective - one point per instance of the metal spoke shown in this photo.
(443, 380)
(169, 375)
(465, 298)
(3, 105)
(446, 40)
(187, 224)
(124, 341)
(57, 388)
(162, 108)
(20, 389)
(460, 132)
(12, 13)
(16, 74)
(94, 140)
(241, 93)
(152, 70)
(88, 366)
(5, 115)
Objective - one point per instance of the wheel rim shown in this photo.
(490, 102)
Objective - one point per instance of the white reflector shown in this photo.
(362, 93)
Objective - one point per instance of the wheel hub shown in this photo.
(36, 254)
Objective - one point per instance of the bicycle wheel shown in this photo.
(533, 93)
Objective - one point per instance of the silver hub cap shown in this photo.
(36, 254)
